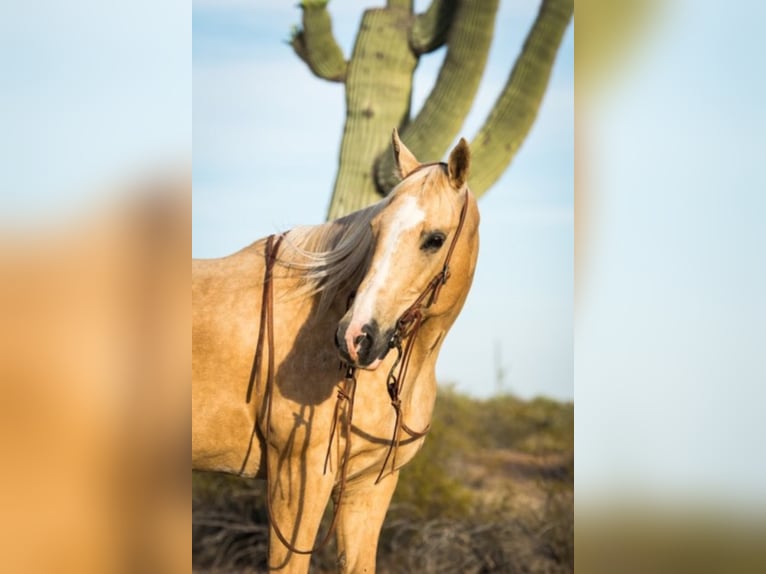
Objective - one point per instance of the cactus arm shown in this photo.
(437, 124)
(315, 43)
(429, 30)
(515, 110)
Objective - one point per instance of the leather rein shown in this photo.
(403, 339)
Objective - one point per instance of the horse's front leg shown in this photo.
(361, 514)
(298, 493)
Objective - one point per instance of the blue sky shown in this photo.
(266, 140)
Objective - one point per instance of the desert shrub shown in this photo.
(229, 524)
(538, 426)
(528, 541)
(430, 485)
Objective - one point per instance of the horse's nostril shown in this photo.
(362, 343)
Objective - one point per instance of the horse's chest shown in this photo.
(379, 439)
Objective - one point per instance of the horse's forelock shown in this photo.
(333, 255)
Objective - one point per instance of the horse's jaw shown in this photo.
(369, 367)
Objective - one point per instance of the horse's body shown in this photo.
(381, 258)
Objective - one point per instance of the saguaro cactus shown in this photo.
(378, 80)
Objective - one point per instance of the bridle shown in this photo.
(403, 338)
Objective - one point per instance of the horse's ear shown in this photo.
(459, 164)
(406, 163)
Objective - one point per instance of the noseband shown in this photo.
(403, 339)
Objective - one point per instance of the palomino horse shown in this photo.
(378, 289)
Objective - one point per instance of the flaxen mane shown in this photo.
(333, 256)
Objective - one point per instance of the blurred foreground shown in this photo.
(94, 399)
(631, 537)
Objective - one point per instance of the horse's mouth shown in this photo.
(357, 365)
(370, 366)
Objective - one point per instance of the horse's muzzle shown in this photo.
(363, 347)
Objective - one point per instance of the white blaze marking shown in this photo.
(409, 215)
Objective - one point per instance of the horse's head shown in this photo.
(416, 232)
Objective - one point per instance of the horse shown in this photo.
(314, 352)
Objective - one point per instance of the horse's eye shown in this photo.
(433, 241)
